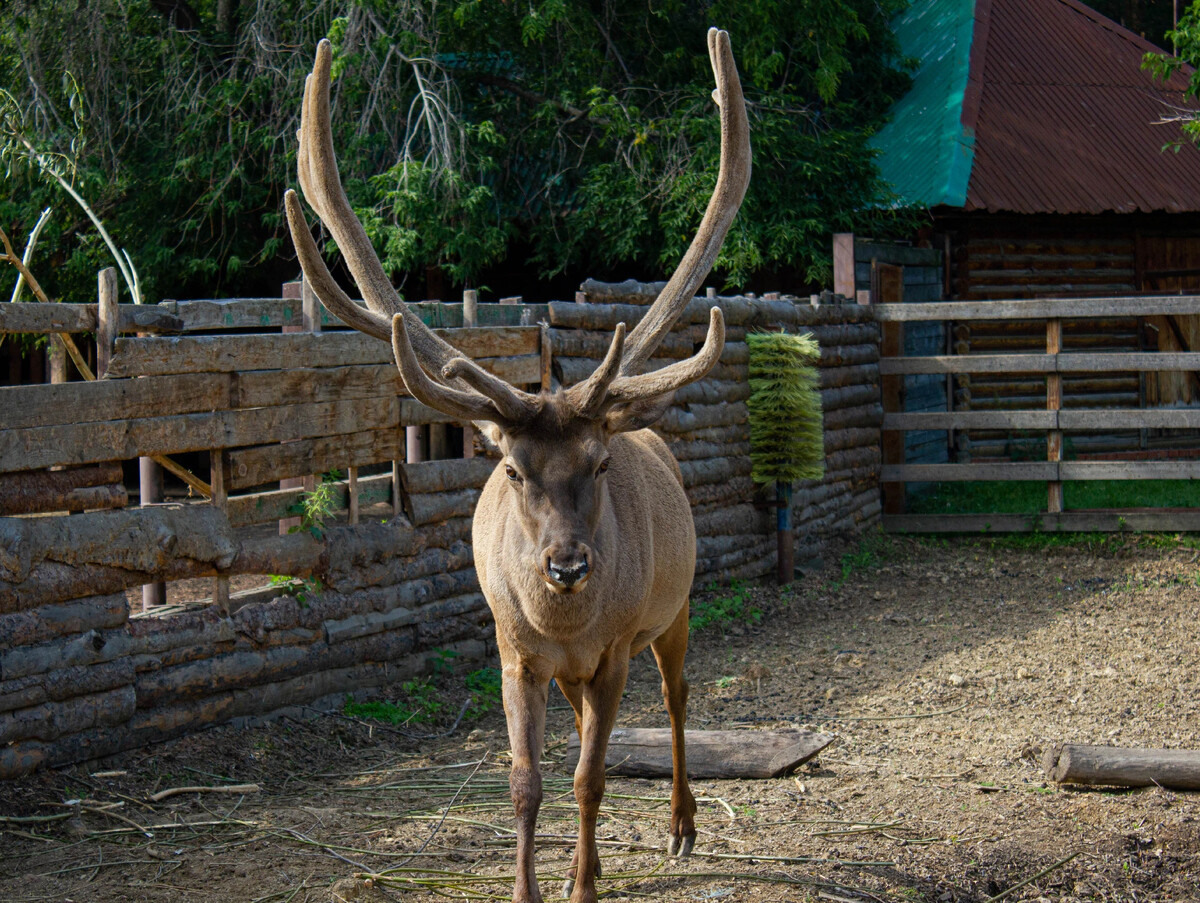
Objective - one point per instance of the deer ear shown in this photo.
(636, 415)
(491, 432)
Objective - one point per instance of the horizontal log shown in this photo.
(711, 391)
(869, 414)
(445, 476)
(832, 335)
(628, 292)
(65, 684)
(727, 520)
(853, 437)
(1021, 470)
(277, 504)
(972, 420)
(715, 470)
(698, 449)
(1116, 419)
(223, 354)
(75, 489)
(851, 375)
(27, 628)
(52, 720)
(36, 317)
(843, 355)
(594, 344)
(970, 363)
(677, 420)
(1129, 470)
(1039, 309)
(646, 752)
(432, 508)
(836, 398)
(267, 463)
(264, 313)
(84, 443)
(1173, 769)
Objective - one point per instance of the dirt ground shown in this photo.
(943, 668)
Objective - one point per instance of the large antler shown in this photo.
(477, 395)
(732, 180)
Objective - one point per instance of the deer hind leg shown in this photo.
(669, 650)
(525, 694)
(601, 698)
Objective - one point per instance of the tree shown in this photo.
(1185, 37)
(568, 138)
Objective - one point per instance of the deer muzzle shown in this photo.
(566, 570)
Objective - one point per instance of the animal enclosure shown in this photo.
(82, 675)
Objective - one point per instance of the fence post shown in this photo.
(887, 287)
(292, 291)
(843, 265)
(470, 318)
(107, 320)
(219, 480)
(1054, 489)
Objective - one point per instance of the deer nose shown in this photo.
(567, 573)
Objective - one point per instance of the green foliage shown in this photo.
(316, 506)
(1186, 39)
(573, 137)
(873, 549)
(1007, 497)
(420, 705)
(787, 440)
(723, 607)
(486, 691)
(302, 589)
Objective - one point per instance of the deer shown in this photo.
(583, 537)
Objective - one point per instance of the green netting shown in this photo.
(787, 441)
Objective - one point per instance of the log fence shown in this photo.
(1055, 420)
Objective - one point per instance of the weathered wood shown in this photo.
(969, 363)
(108, 319)
(156, 356)
(716, 470)
(1130, 470)
(35, 491)
(84, 443)
(1174, 769)
(22, 407)
(843, 264)
(699, 416)
(433, 508)
(1039, 309)
(448, 475)
(264, 464)
(1019, 470)
(1054, 398)
(628, 292)
(27, 628)
(851, 375)
(1116, 419)
(35, 317)
(64, 684)
(52, 720)
(977, 420)
(263, 313)
(594, 344)
(646, 752)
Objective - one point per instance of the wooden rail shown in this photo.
(1053, 420)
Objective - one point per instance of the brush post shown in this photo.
(783, 531)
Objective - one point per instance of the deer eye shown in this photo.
(603, 466)
(512, 473)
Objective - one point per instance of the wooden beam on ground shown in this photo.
(1173, 769)
(646, 752)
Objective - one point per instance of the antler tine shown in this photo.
(317, 166)
(677, 375)
(588, 396)
(727, 197)
(513, 404)
(462, 405)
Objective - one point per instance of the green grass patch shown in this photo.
(722, 608)
(1016, 497)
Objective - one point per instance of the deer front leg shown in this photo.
(601, 698)
(669, 650)
(525, 689)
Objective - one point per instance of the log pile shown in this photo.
(80, 677)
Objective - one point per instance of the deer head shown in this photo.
(554, 444)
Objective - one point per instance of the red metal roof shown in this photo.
(1066, 121)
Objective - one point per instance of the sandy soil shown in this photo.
(944, 669)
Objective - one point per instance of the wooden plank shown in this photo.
(153, 356)
(970, 363)
(646, 752)
(975, 420)
(891, 351)
(259, 313)
(1174, 769)
(1139, 361)
(1154, 520)
(267, 463)
(1040, 309)
(1130, 470)
(85, 443)
(933, 473)
(52, 405)
(902, 255)
(843, 264)
(1054, 438)
(36, 317)
(1130, 419)
(264, 507)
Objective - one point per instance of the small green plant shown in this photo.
(420, 705)
(486, 690)
(723, 609)
(302, 589)
(725, 682)
(315, 507)
(872, 550)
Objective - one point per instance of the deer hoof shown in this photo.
(681, 847)
(568, 886)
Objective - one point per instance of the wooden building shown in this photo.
(1036, 140)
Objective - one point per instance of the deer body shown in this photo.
(583, 536)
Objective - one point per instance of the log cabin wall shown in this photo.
(85, 673)
(997, 256)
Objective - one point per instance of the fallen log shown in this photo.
(646, 752)
(1176, 769)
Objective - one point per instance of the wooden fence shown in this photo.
(236, 406)
(1053, 419)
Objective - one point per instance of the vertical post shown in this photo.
(57, 361)
(220, 496)
(107, 317)
(546, 352)
(292, 291)
(470, 318)
(843, 265)
(887, 284)
(1054, 489)
(310, 318)
(352, 491)
(786, 561)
